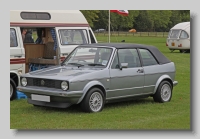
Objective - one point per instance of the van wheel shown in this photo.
(181, 51)
(12, 89)
(163, 93)
(93, 101)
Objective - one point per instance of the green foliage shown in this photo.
(91, 16)
(142, 20)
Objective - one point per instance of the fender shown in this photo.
(88, 86)
(17, 73)
(160, 80)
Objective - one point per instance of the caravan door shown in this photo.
(69, 38)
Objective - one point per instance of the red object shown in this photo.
(121, 12)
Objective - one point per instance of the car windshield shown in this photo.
(89, 56)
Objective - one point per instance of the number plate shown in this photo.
(173, 44)
(40, 98)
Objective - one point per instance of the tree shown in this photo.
(91, 16)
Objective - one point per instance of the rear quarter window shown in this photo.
(147, 58)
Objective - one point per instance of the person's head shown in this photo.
(24, 31)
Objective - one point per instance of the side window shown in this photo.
(73, 36)
(92, 37)
(13, 38)
(129, 56)
(183, 35)
(147, 58)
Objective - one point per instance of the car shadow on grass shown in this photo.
(77, 109)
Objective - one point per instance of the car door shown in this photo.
(16, 49)
(152, 70)
(127, 81)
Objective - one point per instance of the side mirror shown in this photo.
(123, 65)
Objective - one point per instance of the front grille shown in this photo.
(44, 83)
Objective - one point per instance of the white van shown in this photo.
(55, 34)
(179, 37)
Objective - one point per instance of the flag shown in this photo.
(121, 12)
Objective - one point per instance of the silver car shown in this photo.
(95, 74)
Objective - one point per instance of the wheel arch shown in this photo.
(91, 85)
(15, 77)
(163, 78)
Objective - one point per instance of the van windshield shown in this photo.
(175, 33)
(73, 36)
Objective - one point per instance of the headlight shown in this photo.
(24, 81)
(64, 85)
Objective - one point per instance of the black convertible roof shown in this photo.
(158, 55)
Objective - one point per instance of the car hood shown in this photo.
(61, 72)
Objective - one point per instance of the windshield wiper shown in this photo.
(95, 64)
(77, 64)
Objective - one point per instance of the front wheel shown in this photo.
(163, 93)
(12, 89)
(93, 101)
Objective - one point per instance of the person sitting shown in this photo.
(28, 37)
(41, 36)
(23, 34)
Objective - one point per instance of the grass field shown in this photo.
(132, 115)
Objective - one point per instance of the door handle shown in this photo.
(140, 71)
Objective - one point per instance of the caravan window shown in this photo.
(183, 35)
(174, 34)
(13, 38)
(169, 34)
(73, 36)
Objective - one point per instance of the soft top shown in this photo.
(162, 59)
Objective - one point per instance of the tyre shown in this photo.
(163, 93)
(93, 101)
(12, 90)
(181, 51)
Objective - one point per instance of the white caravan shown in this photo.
(179, 37)
(54, 34)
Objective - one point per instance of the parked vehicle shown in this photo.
(96, 74)
(55, 33)
(100, 30)
(179, 37)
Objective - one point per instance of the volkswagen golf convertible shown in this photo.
(95, 74)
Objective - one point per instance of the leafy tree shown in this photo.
(91, 16)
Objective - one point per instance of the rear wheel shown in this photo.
(12, 89)
(93, 101)
(163, 93)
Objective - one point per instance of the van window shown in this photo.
(35, 16)
(174, 34)
(73, 36)
(183, 35)
(13, 38)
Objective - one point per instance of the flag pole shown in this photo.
(109, 27)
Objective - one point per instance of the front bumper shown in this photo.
(58, 98)
(175, 83)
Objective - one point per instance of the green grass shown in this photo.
(133, 115)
